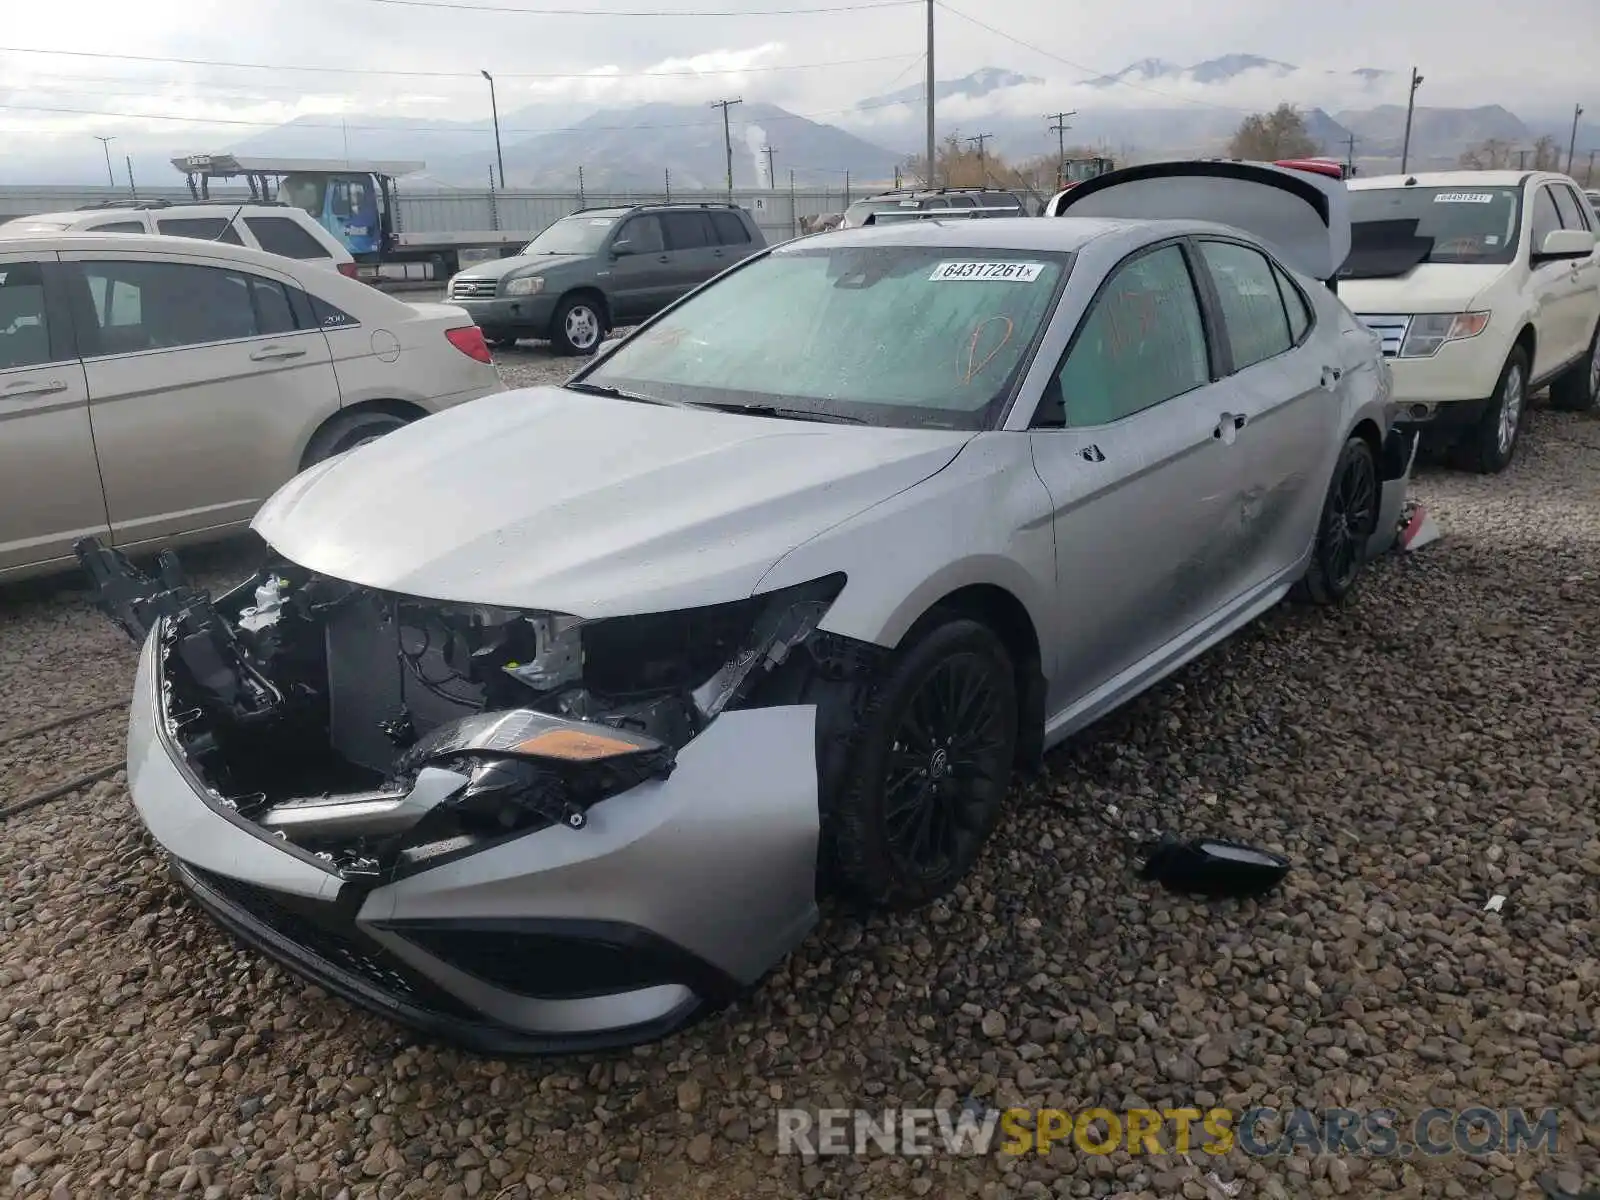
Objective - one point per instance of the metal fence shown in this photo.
(441, 210)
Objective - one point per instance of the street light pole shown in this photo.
(932, 148)
(1577, 111)
(494, 109)
(1411, 105)
(105, 144)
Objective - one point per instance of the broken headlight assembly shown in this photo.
(381, 733)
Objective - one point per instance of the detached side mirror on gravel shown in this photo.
(1214, 868)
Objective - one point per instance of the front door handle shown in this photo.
(1228, 426)
(33, 387)
(663, 258)
(273, 353)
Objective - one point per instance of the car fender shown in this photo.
(983, 520)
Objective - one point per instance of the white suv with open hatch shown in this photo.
(1484, 286)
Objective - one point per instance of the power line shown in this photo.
(125, 116)
(248, 66)
(458, 6)
(1089, 72)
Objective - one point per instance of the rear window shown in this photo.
(117, 227)
(207, 229)
(285, 236)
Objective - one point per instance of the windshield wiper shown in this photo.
(603, 389)
(796, 414)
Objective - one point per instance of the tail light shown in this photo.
(349, 270)
(469, 340)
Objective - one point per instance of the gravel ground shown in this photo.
(1433, 744)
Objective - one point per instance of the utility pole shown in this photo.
(132, 191)
(1577, 111)
(1522, 159)
(1588, 176)
(1059, 127)
(667, 173)
(772, 178)
(494, 110)
(978, 140)
(727, 137)
(1411, 104)
(105, 144)
(580, 185)
(1350, 154)
(847, 189)
(793, 229)
(933, 150)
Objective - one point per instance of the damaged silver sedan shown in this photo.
(545, 719)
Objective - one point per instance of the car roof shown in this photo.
(186, 207)
(1492, 179)
(1061, 234)
(68, 240)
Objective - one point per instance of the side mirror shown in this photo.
(621, 249)
(1563, 244)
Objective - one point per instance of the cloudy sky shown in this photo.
(419, 59)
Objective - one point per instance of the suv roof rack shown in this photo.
(654, 204)
(140, 205)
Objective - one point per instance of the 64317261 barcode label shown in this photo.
(1010, 272)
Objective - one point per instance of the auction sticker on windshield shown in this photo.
(1016, 272)
(1464, 198)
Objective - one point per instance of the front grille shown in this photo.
(472, 289)
(1391, 328)
(325, 931)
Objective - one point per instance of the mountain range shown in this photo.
(649, 146)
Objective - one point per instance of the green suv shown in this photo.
(601, 268)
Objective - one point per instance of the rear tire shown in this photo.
(349, 430)
(1349, 519)
(578, 326)
(1576, 390)
(926, 778)
(1489, 446)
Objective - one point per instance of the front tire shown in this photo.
(578, 326)
(927, 775)
(1576, 390)
(1488, 448)
(1349, 519)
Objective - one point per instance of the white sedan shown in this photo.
(155, 389)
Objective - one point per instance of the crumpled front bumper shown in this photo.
(677, 894)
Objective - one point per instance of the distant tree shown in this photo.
(1281, 133)
(1492, 154)
(1495, 154)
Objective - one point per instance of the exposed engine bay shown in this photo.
(382, 733)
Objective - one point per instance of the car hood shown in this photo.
(548, 499)
(499, 268)
(1427, 287)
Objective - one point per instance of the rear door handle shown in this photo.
(33, 387)
(272, 353)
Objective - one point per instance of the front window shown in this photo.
(306, 192)
(583, 233)
(909, 336)
(1395, 229)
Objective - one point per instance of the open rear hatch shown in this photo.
(1303, 214)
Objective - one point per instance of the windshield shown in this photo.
(305, 192)
(582, 234)
(911, 336)
(1394, 229)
